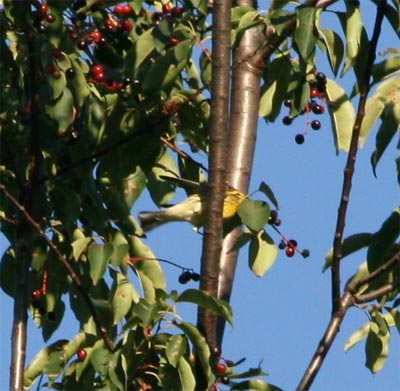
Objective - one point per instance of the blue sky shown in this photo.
(280, 318)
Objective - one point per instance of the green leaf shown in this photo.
(186, 375)
(388, 129)
(201, 348)
(254, 214)
(277, 77)
(350, 245)
(204, 299)
(205, 68)
(255, 385)
(99, 256)
(176, 348)
(242, 240)
(123, 295)
(335, 48)
(147, 312)
(62, 110)
(386, 68)
(377, 344)
(265, 189)
(143, 48)
(305, 35)
(383, 240)
(262, 253)
(79, 246)
(7, 272)
(201, 5)
(342, 115)
(386, 94)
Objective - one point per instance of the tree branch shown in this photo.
(28, 218)
(351, 158)
(221, 46)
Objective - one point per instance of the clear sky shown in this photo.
(280, 318)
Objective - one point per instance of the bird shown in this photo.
(192, 208)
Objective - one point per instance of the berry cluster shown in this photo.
(187, 275)
(315, 106)
(289, 245)
(42, 17)
(222, 367)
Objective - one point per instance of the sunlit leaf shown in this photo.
(305, 35)
(254, 214)
(342, 115)
(186, 375)
(262, 253)
(123, 296)
(265, 189)
(175, 349)
(335, 48)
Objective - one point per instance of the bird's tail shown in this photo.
(150, 220)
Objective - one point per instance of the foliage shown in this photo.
(89, 141)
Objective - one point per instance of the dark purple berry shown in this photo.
(318, 109)
(299, 138)
(287, 120)
(320, 76)
(282, 245)
(316, 125)
(185, 277)
(288, 103)
(305, 253)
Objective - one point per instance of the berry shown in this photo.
(50, 18)
(317, 109)
(293, 243)
(289, 251)
(81, 353)
(97, 68)
(299, 138)
(82, 44)
(282, 245)
(43, 8)
(287, 120)
(195, 276)
(316, 125)
(127, 25)
(314, 93)
(56, 74)
(119, 9)
(176, 11)
(305, 253)
(185, 277)
(320, 76)
(36, 295)
(221, 368)
(56, 54)
(277, 222)
(81, 16)
(174, 41)
(96, 36)
(127, 80)
(225, 380)
(70, 72)
(167, 8)
(100, 77)
(288, 103)
(217, 351)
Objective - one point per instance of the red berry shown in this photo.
(100, 77)
(81, 353)
(221, 368)
(43, 8)
(174, 41)
(49, 69)
(36, 295)
(127, 25)
(119, 9)
(167, 8)
(314, 93)
(50, 18)
(176, 11)
(56, 54)
(289, 251)
(127, 9)
(96, 69)
(56, 74)
(96, 35)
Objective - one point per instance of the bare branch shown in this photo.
(103, 331)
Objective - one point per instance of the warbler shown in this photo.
(192, 210)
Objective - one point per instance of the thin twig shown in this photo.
(340, 305)
(103, 331)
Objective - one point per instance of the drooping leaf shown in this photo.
(342, 115)
(335, 48)
(204, 299)
(99, 256)
(386, 68)
(201, 347)
(186, 375)
(265, 189)
(305, 35)
(262, 253)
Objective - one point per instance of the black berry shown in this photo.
(185, 277)
(287, 120)
(316, 125)
(305, 253)
(317, 109)
(299, 138)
